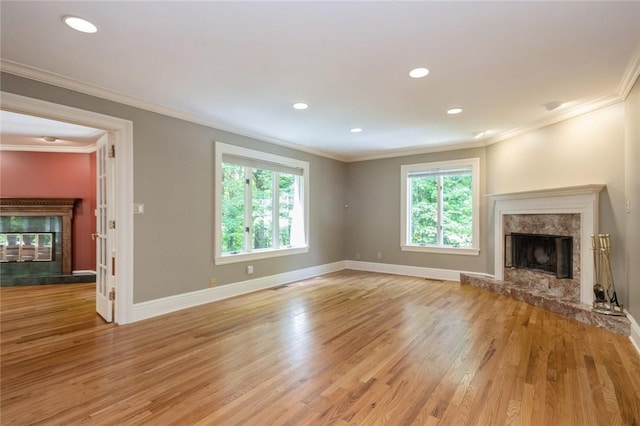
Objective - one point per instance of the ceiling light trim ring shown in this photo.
(419, 72)
(80, 24)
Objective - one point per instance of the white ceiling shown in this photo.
(239, 66)
(25, 133)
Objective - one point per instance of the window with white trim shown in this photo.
(440, 207)
(261, 205)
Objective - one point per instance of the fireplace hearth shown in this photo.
(542, 299)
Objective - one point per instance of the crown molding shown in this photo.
(563, 116)
(626, 84)
(42, 148)
(59, 80)
(416, 151)
(630, 76)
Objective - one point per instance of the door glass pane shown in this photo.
(28, 252)
(45, 247)
(12, 251)
(3, 246)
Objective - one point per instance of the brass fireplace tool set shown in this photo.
(606, 299)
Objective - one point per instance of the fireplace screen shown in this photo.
(26, 247)
(551, 254)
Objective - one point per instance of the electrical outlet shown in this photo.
(212, 281)
(249, 269)
(379, 255)
(357, 256)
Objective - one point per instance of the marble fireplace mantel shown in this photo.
(581, 199)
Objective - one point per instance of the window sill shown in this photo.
(256, 255)
(466, 251)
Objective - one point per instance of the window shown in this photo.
(261, 205)
(440, 209)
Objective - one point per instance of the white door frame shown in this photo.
(122, 131)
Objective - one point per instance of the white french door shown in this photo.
(105, 228)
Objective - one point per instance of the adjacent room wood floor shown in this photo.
(346, 348)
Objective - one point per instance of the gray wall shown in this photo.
(173, 177)
(373, 216)
(632, 155)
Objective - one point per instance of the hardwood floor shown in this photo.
(346, 348)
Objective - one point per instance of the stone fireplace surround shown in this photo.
(567, 225)
(525, 210)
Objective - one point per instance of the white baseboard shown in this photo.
(83, 272)
(635, 332)
(413, 271)
(165, 305)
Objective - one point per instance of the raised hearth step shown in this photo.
(568, 308)
(53, 279)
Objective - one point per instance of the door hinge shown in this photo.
(112, 224)
(112, 151)
(112, 294)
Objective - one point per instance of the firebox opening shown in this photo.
(552, 254)
(27, 247)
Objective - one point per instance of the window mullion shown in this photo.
(248, 210)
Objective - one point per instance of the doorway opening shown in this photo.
(119, 239)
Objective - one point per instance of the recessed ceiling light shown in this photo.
(300, 105)
(356, 130)
(418, 72)
(80, 24)
(454, 111)
(49, 138)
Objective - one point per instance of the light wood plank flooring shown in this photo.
(346, 348)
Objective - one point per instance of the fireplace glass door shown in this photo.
(551, 254)
(26, 247)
